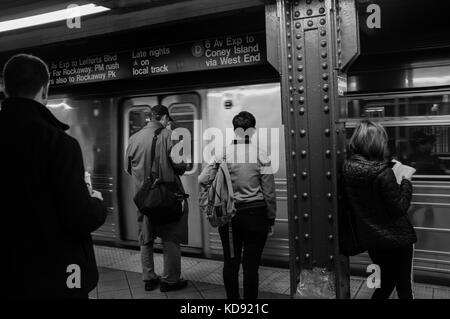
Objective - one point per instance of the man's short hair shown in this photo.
(24, 75)
(155, 117)
(158, 111)
(244, 120)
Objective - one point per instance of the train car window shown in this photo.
(360, 108)
(184, 115)
(428, 105)
(138, 117)
(426, 148)
(90, 123)
(398, 106)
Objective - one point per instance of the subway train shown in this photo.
(103, 140)
(103, 125)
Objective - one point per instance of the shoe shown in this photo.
(171, 287)
(152, 284)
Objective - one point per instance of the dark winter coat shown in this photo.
(47, 213)
(378, 203)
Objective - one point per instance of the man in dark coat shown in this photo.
(47, 211)
(138, 159)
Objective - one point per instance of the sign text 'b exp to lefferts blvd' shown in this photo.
(98, 68)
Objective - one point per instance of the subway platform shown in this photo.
(120, 278)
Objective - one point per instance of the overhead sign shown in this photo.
(214, 53)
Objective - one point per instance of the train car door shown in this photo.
(184, 109)
(136, 114)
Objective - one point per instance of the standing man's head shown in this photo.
(244, 124)
(26, 76)
(160, 113)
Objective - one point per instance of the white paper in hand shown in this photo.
(401, 171)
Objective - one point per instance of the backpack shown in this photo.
(159, 200)
(213, 202)
(215, 205)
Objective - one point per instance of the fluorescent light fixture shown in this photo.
(435, 80)
(50, 17)
(62, 105)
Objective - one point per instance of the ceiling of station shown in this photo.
(124, 15)
(11, 9)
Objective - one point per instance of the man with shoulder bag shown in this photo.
(160, 199)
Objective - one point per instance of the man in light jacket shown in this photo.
(255, 202)
(138, 159)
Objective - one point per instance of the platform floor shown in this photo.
(120, 278)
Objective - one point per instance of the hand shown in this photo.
(96, 194)
(408, 178)
(89, 188)
(271, 231)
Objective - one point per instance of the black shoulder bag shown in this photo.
(160, 201)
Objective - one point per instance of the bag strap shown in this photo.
(152, 152)
(212, 184)
(348, 211)
(226, 174)
(215, 191)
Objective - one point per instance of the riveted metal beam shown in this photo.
(347, 34)
(308, 65)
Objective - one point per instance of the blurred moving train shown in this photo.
(419, 135)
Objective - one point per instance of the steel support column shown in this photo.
(311, 52)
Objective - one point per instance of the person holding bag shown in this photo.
(156, 178)
(378, 206)
(160, 200)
